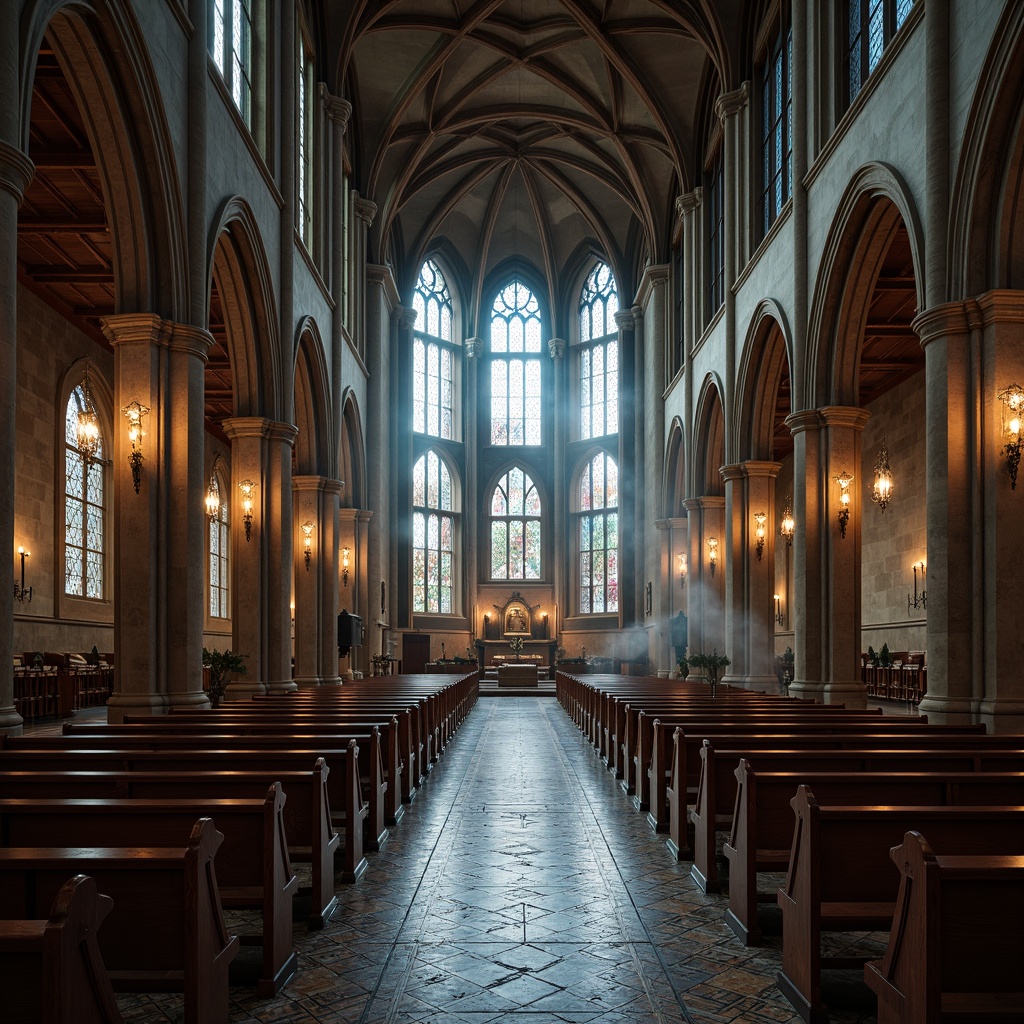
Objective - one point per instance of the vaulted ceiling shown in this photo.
(529, 129)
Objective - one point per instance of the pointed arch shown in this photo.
(515, 510)
(312, 397)
(709, 439)
(673, 484)
(765, 395)
(352, 457)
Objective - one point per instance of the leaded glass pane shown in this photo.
(532, 549)
(95, 483)
(499, 503)
(73, 534)
(73, 571)
(611, 483)
(532, 499)
(585, 569)
(499, 550)
(75, 473)
(419, 530)
(446, 487)
(94, 576)
(515, 549)
(94, 528)
(903, 9)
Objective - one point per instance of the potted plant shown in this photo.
(222, 665)
(709, 664)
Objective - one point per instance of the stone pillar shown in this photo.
(687, 206)
(705, 591)
(403, 320)
(559, 572)
(842, 583)
(749, 577)
(671, 590)
(315, 503)
(473, 349)
(363, 210)
(159, 550)
(631, 587)
(808, 561)
(16, 171)
(278, 542)
(348, 580)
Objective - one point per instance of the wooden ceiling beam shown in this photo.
(64, 159)
(69, 275)
(41, 226)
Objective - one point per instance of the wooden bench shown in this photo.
(164, 932)
(762, 820)
(841, 878)
(51, 971)
(956, 946)
(253, 867)
(308, 823)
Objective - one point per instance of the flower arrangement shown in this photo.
(516, 645)
(709, 664)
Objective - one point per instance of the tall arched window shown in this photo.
(515, 528)
(599, 355)
(433, 355)
(84, 507)
(433, 535)
(598, 535)
(515, 367)
(220, 546)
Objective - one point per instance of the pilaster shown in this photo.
(705, 580)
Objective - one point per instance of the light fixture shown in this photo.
(21, 593)
(844, 480)
(344, 567)
(1012, 398)
(881, 492)
(712, 554)
(134, 412)
(247, 487)
(760, 518)
(788, 526)
(213, 492)
(682, 570)
(778, 609)
(920, 600)
(307, 541)
(87, 431)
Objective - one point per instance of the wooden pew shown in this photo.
(165, 931)
(253, 867)
(956, 945)
(762, 821)
(308, 824)
(51, 971)
(841, 879)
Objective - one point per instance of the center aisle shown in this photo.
(522, 887)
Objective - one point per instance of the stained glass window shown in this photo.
(232, 50)
(516, 391)
(220, 540)
(776, 123)
(84, 509)
(599, 355)
(433, 355)
(433, 536)
(870, 24)
(598, 536)
(515, 528)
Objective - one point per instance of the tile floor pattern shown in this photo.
(522, 888)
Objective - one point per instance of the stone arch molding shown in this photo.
(312, 401)
(352, 452)
(710, 406)
(673, 482)
(874, 202)
(759, 374)
(247, 293)
(102, 50)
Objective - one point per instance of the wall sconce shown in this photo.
(712, 554)
(20, 593)
(1012, 398)
(344, 567)
(307, 541)
(760, 518)
(649, 606)
(87, 431)
(544, 620)
(247, 487)
(778, 609)
(134, 412)
(881, 492)
(788, 526)
(920, 600)
(682, 571)
(213, 492)
(844, 480)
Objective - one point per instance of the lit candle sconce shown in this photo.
(682, 571)
(344, 567)
(87, 433)
(712, 554)
(21, 593)
(881, 492)
(760, 518)
(1012, 398)
(778, 609)
(920, 599)
(788, 525)
(844, 480)
(307, 541)
(213, 492)
(134, 412)
(544, 620)
(247, 487)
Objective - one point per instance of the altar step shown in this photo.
(490, 688)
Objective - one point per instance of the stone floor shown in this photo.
(521, 887)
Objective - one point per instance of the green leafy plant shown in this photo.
(709, 664)
(884, 657)
(222, 665)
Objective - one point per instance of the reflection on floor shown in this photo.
(522, 887)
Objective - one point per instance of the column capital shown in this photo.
(332, 486)
(737, 471)
(309, 482)
(338, 110)
(624, 320)
(365, 210)
(279, 431)
(730, 103)
(710, 502)
(638, 316)
(691, 504)
(688, 202)
(236, 427)
(556, 348)
(806, 419)
(1001, 306)
(474, 348)
(16, 171)
(845, 416)
(196, 341)
(945, 320)
(136, 329)
(349, 515)
(404, 316)
(756, 468)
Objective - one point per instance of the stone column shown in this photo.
(403, 320)
(280, 440)
(808, 562)
(363, 211)
(315, 503)
(560, 572)
(630, 584)
(687, 206)
(16, 171)
(705, 592)
(159, 550)
(349, 578)
(842, 584)
(474, 351)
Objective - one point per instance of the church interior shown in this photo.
(354, 345)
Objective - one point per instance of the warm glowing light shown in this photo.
(844, 480)
(1012, 398)
(307, 541)
(247, 487)
(712, 553)
(881, 491)
(760, 518)
(788, 525)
